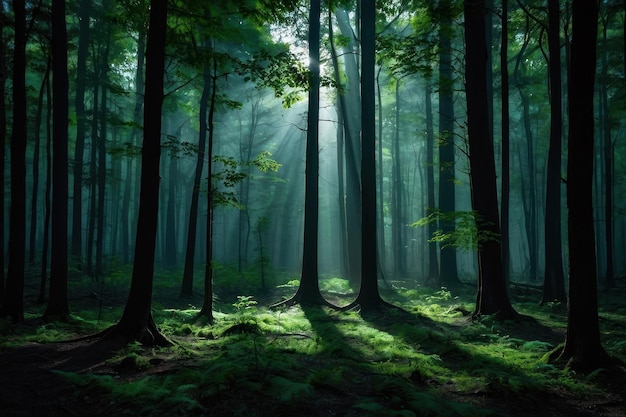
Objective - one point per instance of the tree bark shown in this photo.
(3, 133)
(58, 304)
(308, 291)
(81, 120)
(137, 323)
(506, 155)
(448, 274)
(554, 280)
(13, 305)
(583, 348)
(186, 290)
(492, 297)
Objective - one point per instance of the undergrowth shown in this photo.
(428, 359)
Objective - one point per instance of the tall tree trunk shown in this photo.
(609, 277)
(186, 290)
(3, 133)
(13, 305)
(137, 323)
(58, 304)
(170, 227)
(433, 264)
(43, 278)
(397, 201)
(554, 280)
(84, 12)
(447, 201)
(102, 162)
(380, 187)
(492, 297)
(207, 303)
(93, 187)
(368, 297)
(35, 166)
(351, 113)
(308, 292)
(583, 348)
(341, 134)
(506, 145)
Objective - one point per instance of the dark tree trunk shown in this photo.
(506, 155)
(341, 133)
(186, 290)
(609, 275)
(43, 278)
(368, 298)
(433, 263)
(3, 133)
(58, 304)
(447, 202)
(102, 120)
(397, 201)
(207, 304)
(380, 187)
(308, 292)
(351, 113)
(170, 226)
(35, 167)
(81, 125)
(554, 280)
(583, 348)
(93, 187)
(137, 323)
(492, 297)
(13, 305)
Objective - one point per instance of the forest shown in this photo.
(312, 208)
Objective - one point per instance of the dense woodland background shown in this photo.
(242, 150)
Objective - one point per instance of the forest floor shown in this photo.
(250, 368)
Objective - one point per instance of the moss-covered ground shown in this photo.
(426, 358)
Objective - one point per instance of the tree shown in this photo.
(58, 305)
(137, 323)
(368, 298)
(308, 291)
(81, 119)
(3, 133)
(207, 301)
(583, 348)
(492, 297)
(13, 305)
(186, 290)
(554, 280)
(448, 274)
(350, 108)
(506, 144)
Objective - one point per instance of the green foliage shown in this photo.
(392, 363)
(233, 172)
(469, 229)
(244, 309)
